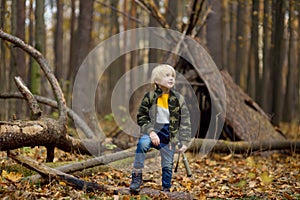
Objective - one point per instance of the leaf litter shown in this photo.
(270, 175)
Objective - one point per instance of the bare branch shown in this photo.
(122, 13)
(46, 69)
(154, 11)
(33, 105)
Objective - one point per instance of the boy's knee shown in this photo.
(168, 166)
(144, 143)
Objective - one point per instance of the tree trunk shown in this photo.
(58, 43)
(225, 34)
(266, 74)
(153, 53)
(117, 68)
(172, 14)
(279, 55)
(231, 60)
(20, 33)
(17, 56)
(35, 85)
(83, 38)
(72, 47)
(298, 77)
(292, 86)
(3, 60)
(214, 32)
(253, 79)
(243, 42)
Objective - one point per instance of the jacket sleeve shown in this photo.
(185, 124)
(144, 116)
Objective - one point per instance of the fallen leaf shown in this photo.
(265, 178)
(252, 184)
(242, 183)
(251, 175)
(250, 161)
(226, 157)
(12, 176)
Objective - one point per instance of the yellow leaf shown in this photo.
(251, 175)
(250, 161)
(242, 183)
(210, 162)
(265, 178)
(62, 183)
(227, 157)
(12, 176)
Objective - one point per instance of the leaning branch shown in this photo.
(48, 73)
(51, 173)
(33, 105)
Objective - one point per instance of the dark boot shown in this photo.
(137, 179)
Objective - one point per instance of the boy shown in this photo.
(165, 122)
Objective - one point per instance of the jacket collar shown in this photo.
(159, 91)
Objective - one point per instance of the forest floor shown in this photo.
(261, 175)
(264, 175)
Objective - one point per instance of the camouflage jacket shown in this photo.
(180, 125)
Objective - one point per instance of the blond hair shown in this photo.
(159, 71)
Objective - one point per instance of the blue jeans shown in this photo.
(167, 156)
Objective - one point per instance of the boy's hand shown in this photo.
(183, 149)
(154, 138)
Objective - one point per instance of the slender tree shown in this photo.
(214, 31)
(253, 75)
(225, 33)
(292, 86)
(298, 77)
(153, 53)
(20, 32)
(172, 14)
(72, 47)
(58, 43)
(82, 42)
(232, 42)
(117, 68)
(3, 57)
(278, 54)
(35, 72)
(243, 41)
(266, 72)
(17, 56)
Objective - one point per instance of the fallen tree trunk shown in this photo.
(243, 146)
(93, 162)
(220, 146)
(41, 132)
(81, 123)
(50, 173)
(72, 181)
(44, 132)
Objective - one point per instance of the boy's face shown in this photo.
(167, 79)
